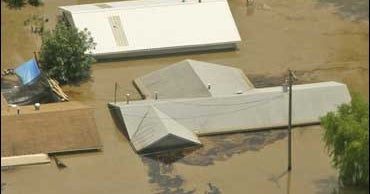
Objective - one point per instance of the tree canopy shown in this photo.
(347, 140)
(64, 54)
(17, 4)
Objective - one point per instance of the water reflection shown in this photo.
(355, 9)
(250, 7)
(331, 184)
(288, 183)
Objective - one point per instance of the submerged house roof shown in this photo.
(199, 111)
(255, 109)
(56, 127)
(142, 27)
(157, 131)
(191, 78)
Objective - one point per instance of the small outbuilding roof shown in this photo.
(144, 27)
(191, 78)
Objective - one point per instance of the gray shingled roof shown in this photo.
(150, 131)
(190, 78)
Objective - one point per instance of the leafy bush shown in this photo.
(347, 140)
(64, 56)
(34, 2)
(15, 4)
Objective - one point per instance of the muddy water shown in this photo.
(323, 40)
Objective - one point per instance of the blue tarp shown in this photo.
(28, 71)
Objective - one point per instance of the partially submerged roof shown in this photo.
(255, 109)
(190, 78)
(157, 131)
(142, 27)
(193, 97)
(56, 127)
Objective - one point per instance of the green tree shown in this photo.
(347, 140)
(64, 54)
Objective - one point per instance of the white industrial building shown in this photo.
(254, 108)
(147, 27)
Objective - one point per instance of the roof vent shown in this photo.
(103, 6)
(118, 32)
(37, 106)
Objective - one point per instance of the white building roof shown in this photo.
(145, 26)
(190, 78)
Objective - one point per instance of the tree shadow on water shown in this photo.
(330, 185)
(350, 190)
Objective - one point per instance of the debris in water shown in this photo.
(3, 186)
(250, 3)
(214, 189)
(59, 163)
(265, 7)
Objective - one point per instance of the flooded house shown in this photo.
(27, 85)
(136, 28)
(217, 99)
(35, 123)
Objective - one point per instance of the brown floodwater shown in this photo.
(322, 40)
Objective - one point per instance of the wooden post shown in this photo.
(288, 183)
(289, 126)
(115, 92)
(291, 78)
(37, 60)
